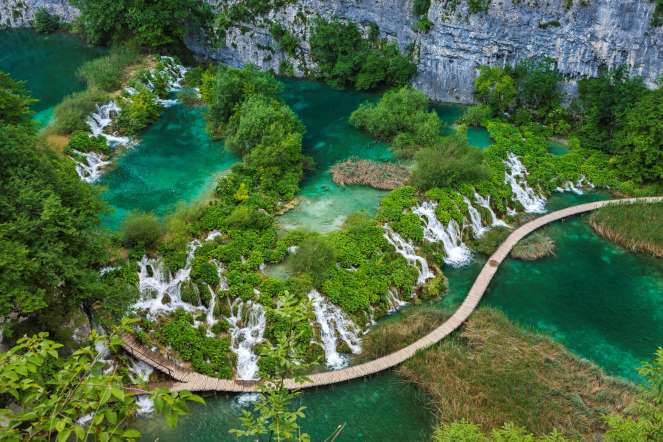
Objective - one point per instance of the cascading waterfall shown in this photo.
(91, 166)
(485, 203)
(247, 327)
(407, 251)
(334, 324)
(456, 252)
(154, 284)
(394, 303)
(478, 228)
(516, 177)
(99, 120)
(139, 371)
(576, 187)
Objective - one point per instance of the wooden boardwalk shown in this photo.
(189, 380)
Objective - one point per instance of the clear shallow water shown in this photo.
(382, 408)
(47, 63)
(174, 161)
(450, 113)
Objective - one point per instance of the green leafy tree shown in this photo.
(639, 139)
(153, 24)
(14, 101)
(495, 87)
(141, 229)
(314, 256)
(45, 22)
(44, 397)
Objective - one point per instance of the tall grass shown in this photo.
(71, 113)
(108, 73)
(492, 372)
(638, 227)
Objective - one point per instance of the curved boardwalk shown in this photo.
(189, 380)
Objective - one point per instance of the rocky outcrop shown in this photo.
(583, 36)
(20, 13)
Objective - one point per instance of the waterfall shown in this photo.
(516, 177)
(406, 250)
(145, 405)
(485, 203)
(91, 168)
(576, 187)
(334, 324)
(103, 117)
(394, 303)
(247, 328)
(456, 252)
(154, 283)
(475, 219)
(139, 371)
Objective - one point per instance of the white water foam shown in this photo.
(334, 324)
(485, 203)
(516, 177)
(407, 251)
(456, 252)
(91, 167)
(99, 120)
(394, 302)
(576, 187)
(478, 229)
(247, 327)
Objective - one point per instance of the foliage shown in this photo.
(48, 224)
(476, 116)
(420, 7)
(152, 24)
(449, 163)
(45, 397)
(345, 59)
(108, 73)
(139, 110)
(495, 88)
(314, 256)
(71, 114)
(45, 22)
(601, 104)
(286, 40)
(224, 88)
(466, 432)
(141, 230)
(639, 139)
(208, 355)
(82, 141)
(400, 117)
(14, 101)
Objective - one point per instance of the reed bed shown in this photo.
(535, 246)
(383, 176)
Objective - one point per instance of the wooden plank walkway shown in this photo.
(189, 380)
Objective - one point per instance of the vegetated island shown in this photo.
(636, 227)
(535, 246)
(379, 175)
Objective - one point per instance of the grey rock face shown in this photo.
(604, 33)
(20, 13)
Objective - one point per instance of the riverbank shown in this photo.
(636, 227)
(492, 372)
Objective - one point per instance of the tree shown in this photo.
(495, 87)
(153, 24)
(45, 22)
(141, 229)
(639, 139)
(314, 256)
(449, 163)
(14, 101)
(81, 397)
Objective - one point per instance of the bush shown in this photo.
(402, 117)
(83, 142)
(45, 22)
(450, 163)
(476, 116)
(347, 60)
(138, 111)
(71, 114)
(315, 256)
(141, 230)
(108, 73)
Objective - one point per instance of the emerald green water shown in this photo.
(557, 148)
(450, 113)
(47, 63)
(175, 161)
(382, 408)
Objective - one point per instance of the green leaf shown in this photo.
(118, 393)
(80, 432)
(131, 433)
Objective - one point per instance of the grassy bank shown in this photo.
(634, 226)
(493, 372)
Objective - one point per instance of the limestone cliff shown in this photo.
(582, 35)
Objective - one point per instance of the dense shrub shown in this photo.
(476, 116)
(71, 114)
(83, 142)
(138, 111)
(152, 24)
(449, 163)
(107, 73)
(315, 256)
(45, 22)
(14, 101)
(401, 117)
(346, 59)
(141, 229)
